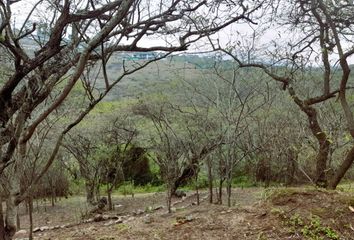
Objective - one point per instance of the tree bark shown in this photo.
(321, 163)
(11, 207)
(10, 219)
(109, 198)
(18, 221)
(53, 196)
(321, 137)
(169, 199)
(220, 191)
(30, 214)
(2, 222)
(339, 174)
(228, 188)
(210, 181)
(197, 188)
(90, 193)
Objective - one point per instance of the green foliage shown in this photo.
(77, 186)
(244, 181)
(315, 230)
(311, 229)
(128, 188)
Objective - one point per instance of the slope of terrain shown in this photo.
(293, 213)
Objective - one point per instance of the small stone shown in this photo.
(158, 207)
(21, 231)
(138, 212)
(189, 218)
(118, 221)
(109, 223)
(98, 218)
(148, 219)
(37, 229)
(45, 228)
(118, 206)
(130, 219)
(180, 193)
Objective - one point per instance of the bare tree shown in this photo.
(120, 135)
(321, 44)
(83, 149)
(167, 144)
(232, 103)
(31, 92)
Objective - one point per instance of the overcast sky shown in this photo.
(235, 33)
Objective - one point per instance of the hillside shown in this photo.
(270, 214)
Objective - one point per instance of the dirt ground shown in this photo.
(283, 213)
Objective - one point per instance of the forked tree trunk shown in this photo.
(321, 137)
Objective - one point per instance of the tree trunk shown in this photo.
(10, 218)
(339, 174)
(53, 196)
(197, 188)
(220, 191)
(90, 193)
(97, 192)
(109, 196)
(210, 182)
(11, 207)
(188, 173)
(320, 135)
(18, 221)
(132, 183)
(169, 199)
(30, 214)
(228, 188)
(2, 222)
(321, 164)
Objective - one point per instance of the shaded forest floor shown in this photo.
(279, 213)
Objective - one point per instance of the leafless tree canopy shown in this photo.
(78, 33)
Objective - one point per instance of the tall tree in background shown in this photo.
(37, 83)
